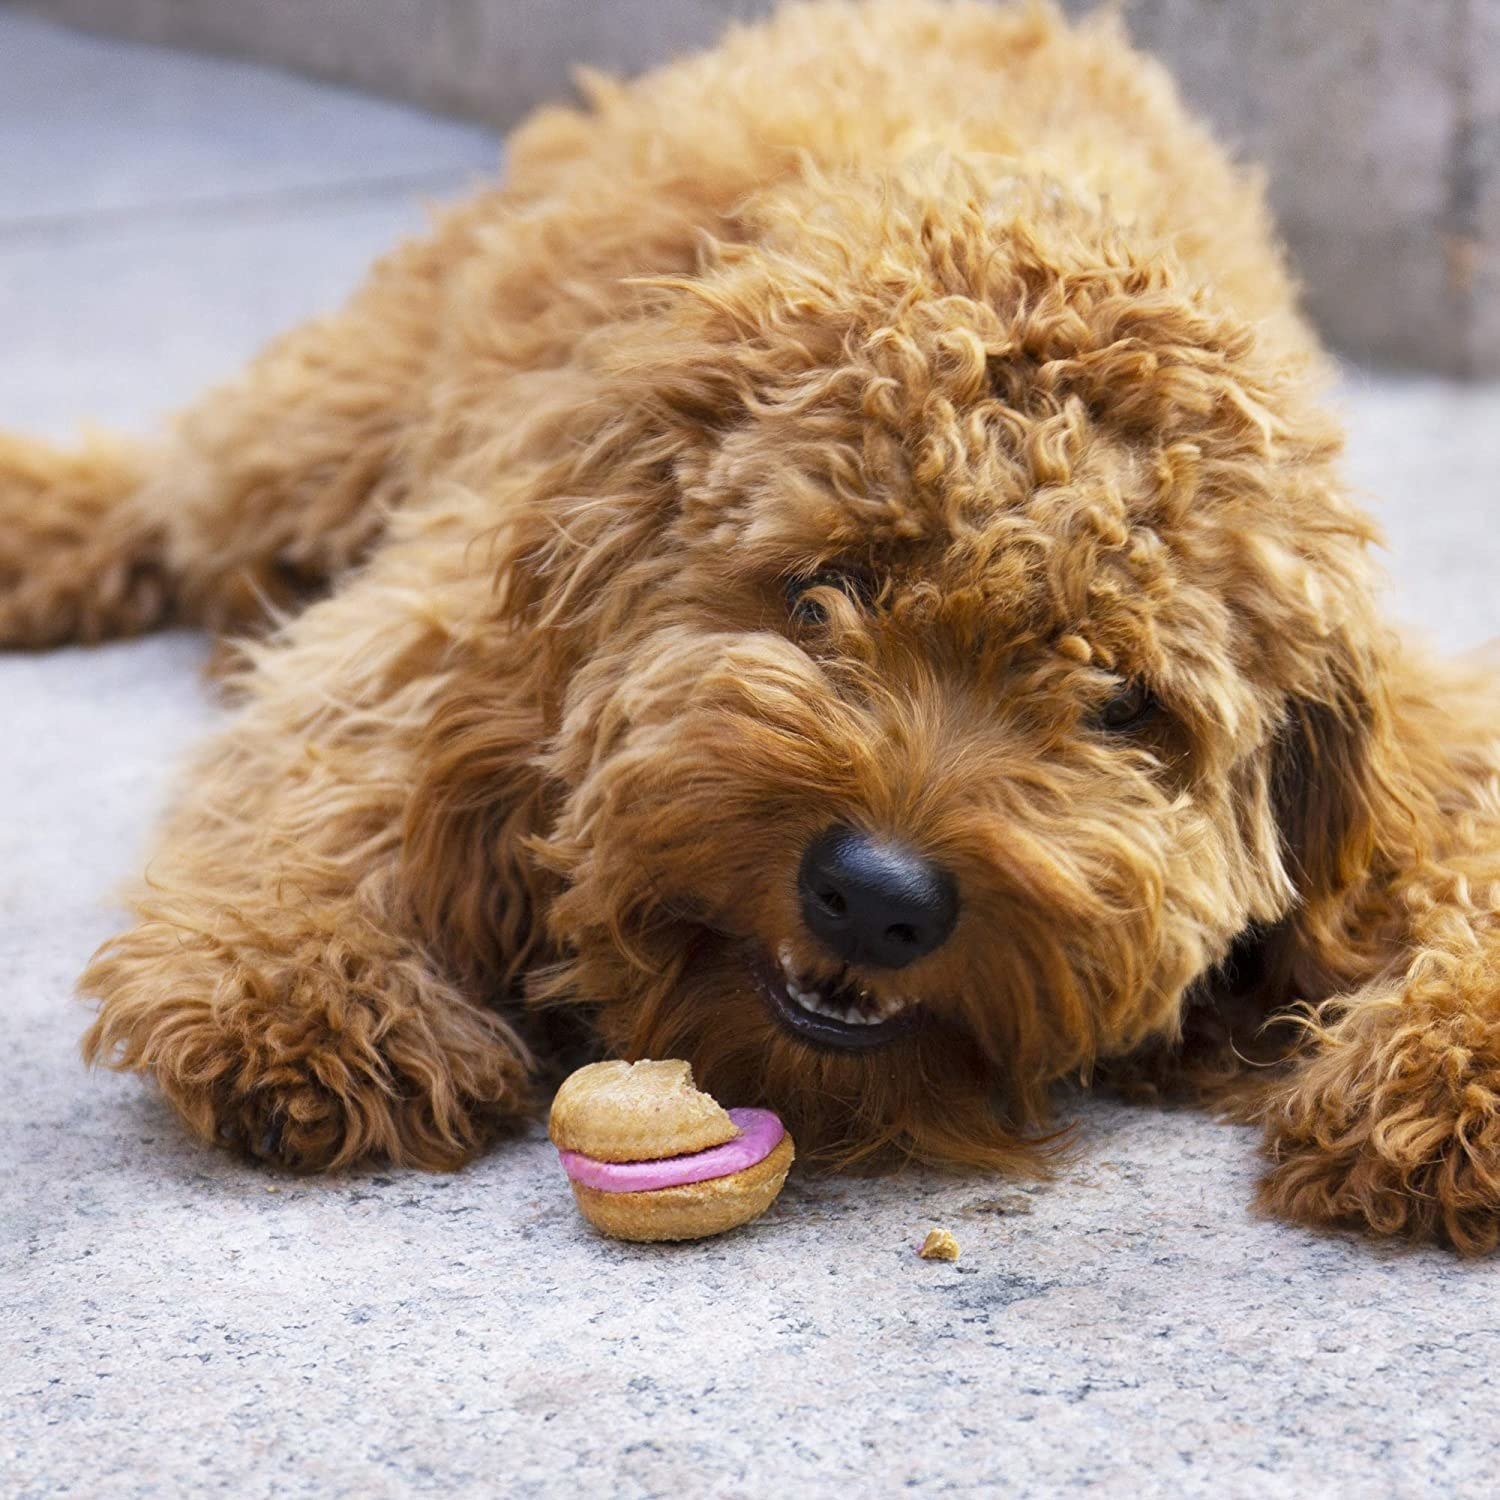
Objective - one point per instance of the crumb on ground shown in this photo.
(939, 1245)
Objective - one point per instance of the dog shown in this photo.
(838, 570)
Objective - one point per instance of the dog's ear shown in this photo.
(1322, 791)
(1337, 778)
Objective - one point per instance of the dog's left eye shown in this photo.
(1127, 708)
(807, 597)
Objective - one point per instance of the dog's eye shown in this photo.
(1127, 708)
(807, 597)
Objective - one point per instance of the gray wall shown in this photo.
(1379, 120)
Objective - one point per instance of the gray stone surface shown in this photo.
(1425, 457)
(1481, 137)
(1378, 119)
(138, 188)
(83, 134)
(175, 1324)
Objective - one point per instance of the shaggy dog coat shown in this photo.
(895, 422)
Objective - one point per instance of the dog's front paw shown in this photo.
(312, 1065)
(1393, 1124)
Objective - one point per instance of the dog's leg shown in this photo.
(1390, 1117)
(277, 983)
(262, 492)
(1393, 1121)
(79, 560)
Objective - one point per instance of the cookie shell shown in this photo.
(619, 1111)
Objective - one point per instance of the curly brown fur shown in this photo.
(951, 305)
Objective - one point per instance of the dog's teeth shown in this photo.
(863, 1008)
(813, 1001)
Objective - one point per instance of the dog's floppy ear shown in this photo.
(1336, 778)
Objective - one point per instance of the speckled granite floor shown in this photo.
(172, 1323)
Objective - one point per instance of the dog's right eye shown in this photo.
(1128, 708)
(808, 598)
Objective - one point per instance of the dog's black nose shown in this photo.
(874, 903)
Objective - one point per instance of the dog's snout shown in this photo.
(872, 902)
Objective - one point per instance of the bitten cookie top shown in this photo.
(619, 1111)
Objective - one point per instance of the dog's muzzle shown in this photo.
(872, 906)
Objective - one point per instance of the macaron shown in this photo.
(649, 1156)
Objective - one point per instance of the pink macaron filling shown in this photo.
(760, 1134)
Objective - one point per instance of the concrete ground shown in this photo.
(174, 1323)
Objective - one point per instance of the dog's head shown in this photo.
(952, 638)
